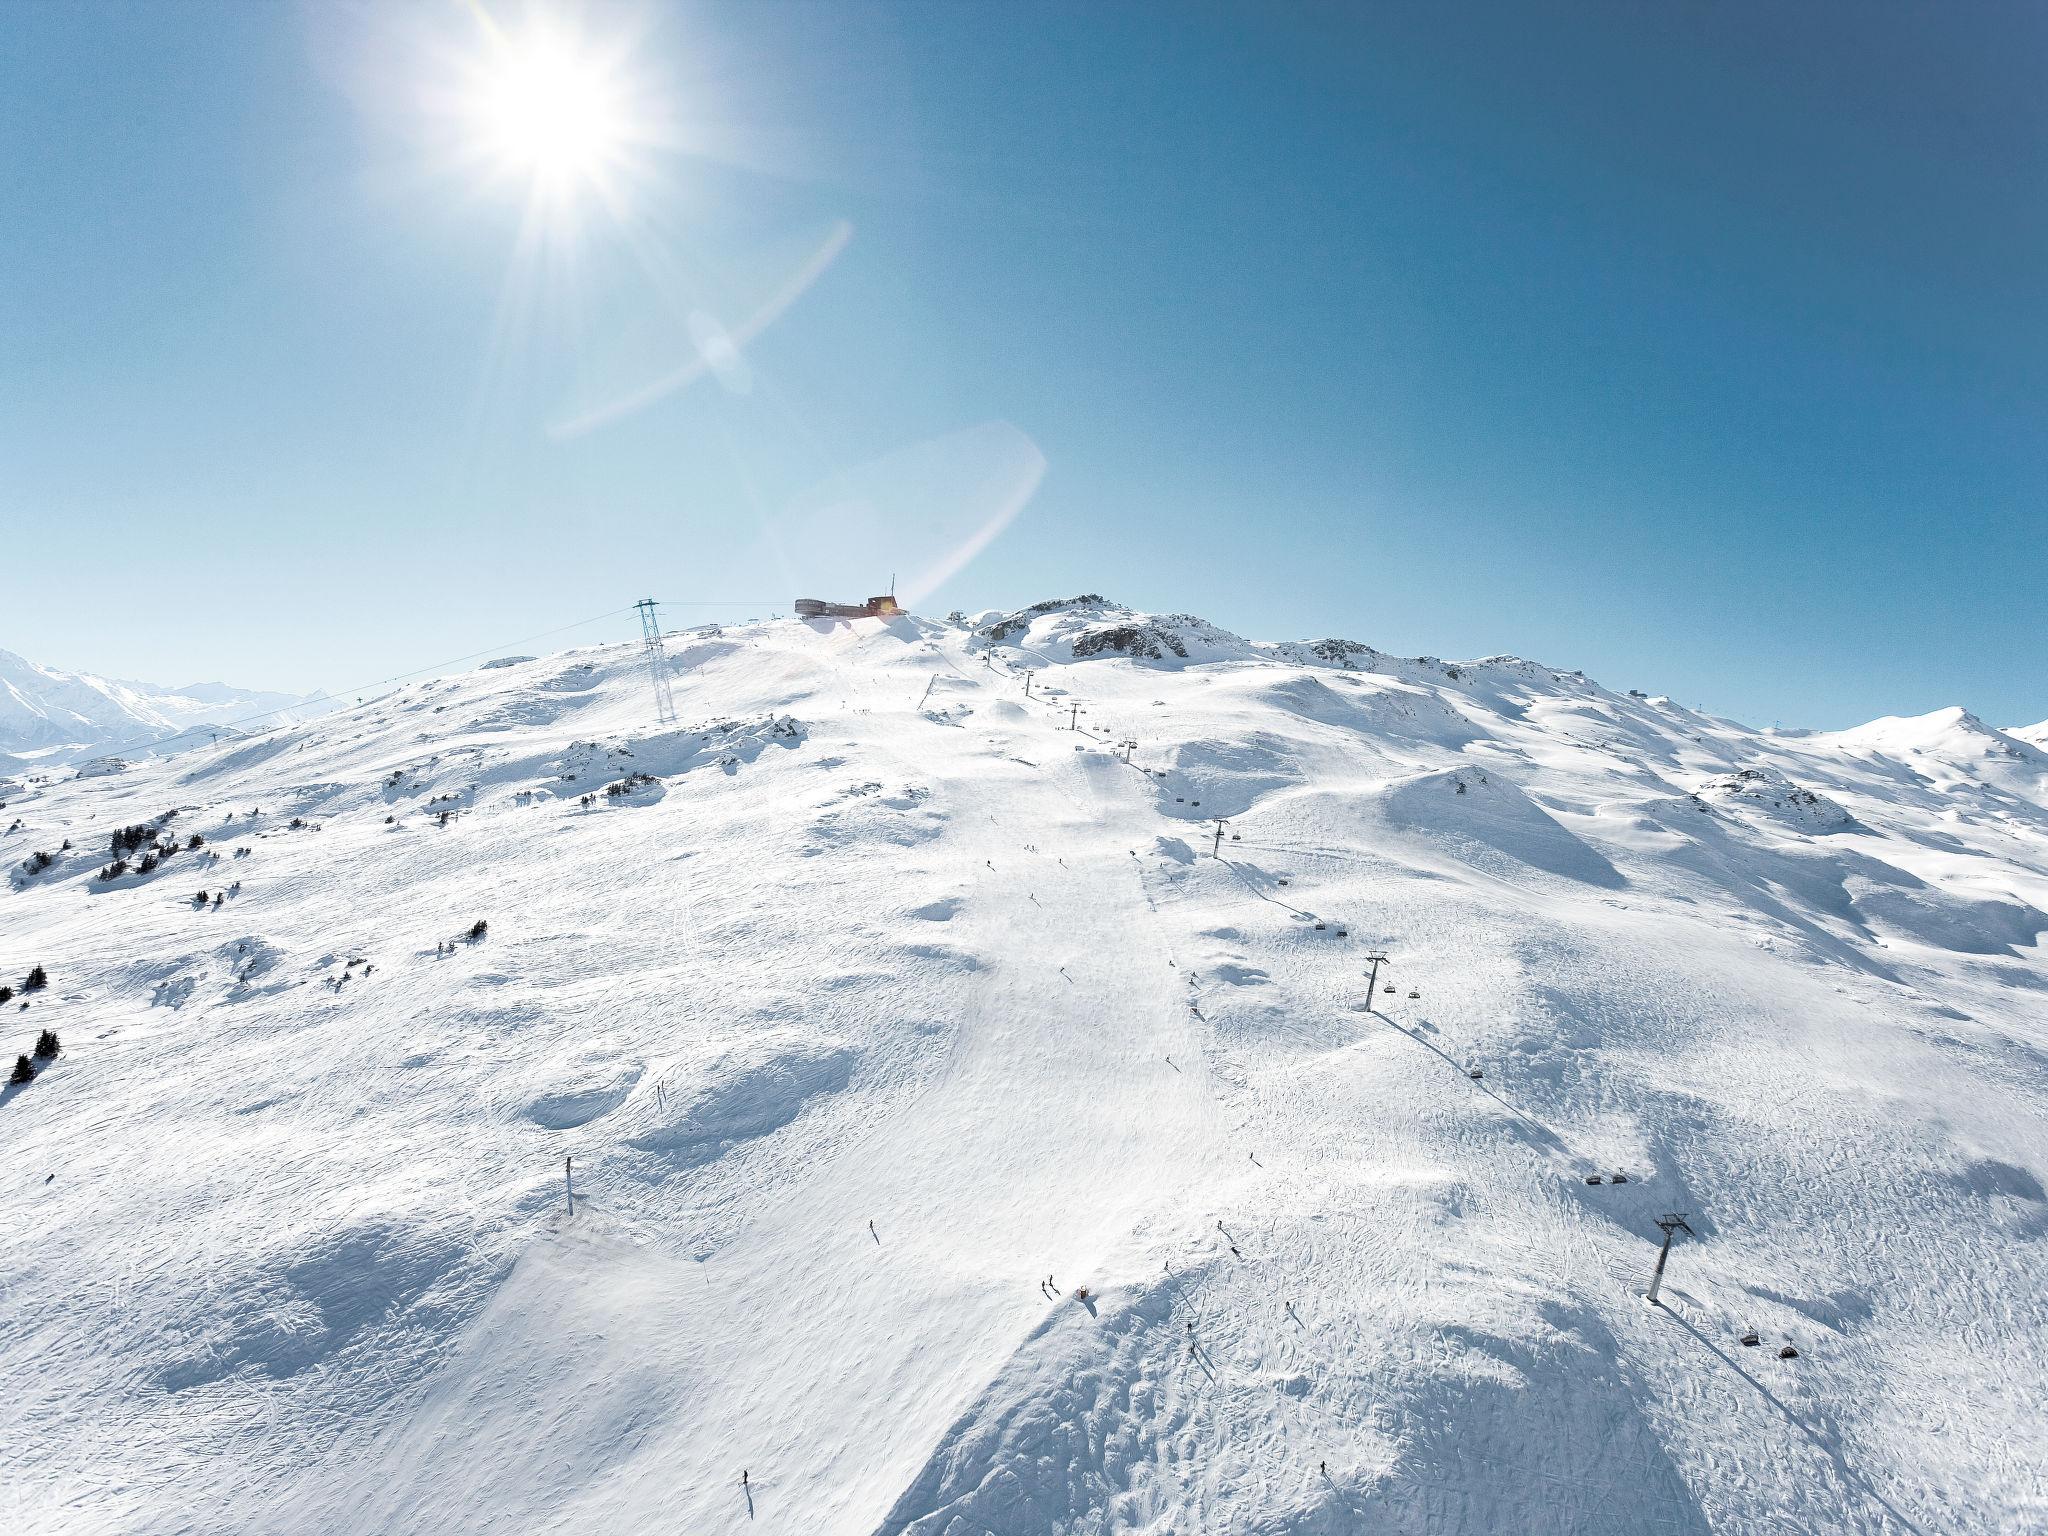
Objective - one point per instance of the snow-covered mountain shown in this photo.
(48, 717)
(982, 1121)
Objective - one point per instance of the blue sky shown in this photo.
(1704, 347)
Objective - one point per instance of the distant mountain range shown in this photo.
(52, 717)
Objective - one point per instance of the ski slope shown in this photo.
(884, 938)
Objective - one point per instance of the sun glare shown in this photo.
(545, 108)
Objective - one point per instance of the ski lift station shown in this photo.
(881, 607)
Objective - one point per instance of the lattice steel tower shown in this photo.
(657, 662)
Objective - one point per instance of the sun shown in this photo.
(545, 107)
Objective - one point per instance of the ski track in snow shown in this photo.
(880, 940)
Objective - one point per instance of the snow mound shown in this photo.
(730, 1096)
(1769, 791)
(577, 1090)
(1389, 712)
(1963, 924)
(1207, 779)
(1485, 820)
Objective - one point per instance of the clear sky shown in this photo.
(1700, 346)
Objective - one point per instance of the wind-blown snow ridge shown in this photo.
(882, 1013)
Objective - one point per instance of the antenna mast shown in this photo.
(657, 662)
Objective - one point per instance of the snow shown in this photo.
(49, 717)
(877, 939)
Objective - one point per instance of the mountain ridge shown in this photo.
(58, 716)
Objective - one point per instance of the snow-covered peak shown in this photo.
(1952, 738)
(1091, 626)
(62, 716)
